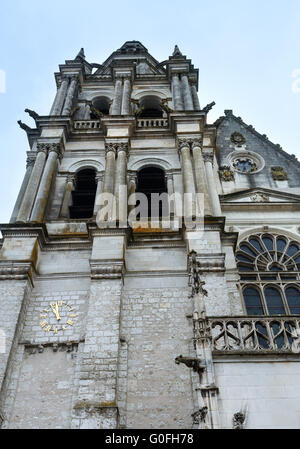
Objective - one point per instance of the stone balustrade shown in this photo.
(152, 123)
(87, 124)
(273, 334)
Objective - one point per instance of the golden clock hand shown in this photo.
(55, 310)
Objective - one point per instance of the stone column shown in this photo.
(109, 174)
(120, 182)
(170, 186)
(188, 177)
(34, 181)
(186, 91)
(60, 97)
(200, 176)
(116, 106)
(39, 207)
(208, 156)
(177, 98)
(29, 168)
(126, 107)
(99, 181)
(70, 95)
(64, 211)
(131, 189)
(195, 97)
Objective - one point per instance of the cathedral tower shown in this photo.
(119, 316)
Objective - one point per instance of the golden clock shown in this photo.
(58, 317)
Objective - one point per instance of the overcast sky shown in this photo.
(247, 52)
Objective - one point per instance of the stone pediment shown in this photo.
(259, 195)
(132, 53)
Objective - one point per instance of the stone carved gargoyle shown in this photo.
(24, 126)
(94, 110)
(190, 362)
(209, 107)
(165, 106)
(32, 114)
(200, 415)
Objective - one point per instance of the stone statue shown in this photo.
(176, 51)
(165, 106)
(190, 362)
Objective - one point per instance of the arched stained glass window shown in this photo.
(269, 267)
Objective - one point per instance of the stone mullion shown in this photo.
(44, 188)
(64, 212)
(32, 187)
(99, 181)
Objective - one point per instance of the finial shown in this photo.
(176, 51)
(81, 54)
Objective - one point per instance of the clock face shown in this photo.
(58, 317)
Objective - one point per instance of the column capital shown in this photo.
(30, 161)
(71, 177)
(42, 148)
(184, 143)
(208, 155)
(196, 143)
(169, 176)
(132, 176)
(123, 147)
(111, 147)
(99, 176)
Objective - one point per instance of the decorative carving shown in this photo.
(184, 143)
(208, 156)
(122, 147)
(16, 271)
(190, 362)
(238, 420)
(196, 143)
(30, 161)
(279, 174)
(111, 146)
(49, 146)
(94, 110)
(238, 139)
(165, 106)
(104, 270)
(208, 107)
(69, 346)
(24, 126)
(226, 174)
(245, 165)
(176, 52)
(200, 415)
(32, 114)
(194, 275)
(260, 198)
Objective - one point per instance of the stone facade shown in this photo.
(117, 327)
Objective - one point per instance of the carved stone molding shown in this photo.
(226, 174)
(56, 347)
(279, 174)
(238, 139)
(107, 270)
(208, 155)
(14, 271)
(30, 161)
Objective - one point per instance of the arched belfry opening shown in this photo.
(102, 104)
(83, 196)
(151, 107)
(153, 180)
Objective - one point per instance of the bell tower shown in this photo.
(101, 311)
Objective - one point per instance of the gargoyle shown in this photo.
(191, 362)
(94, 110)
(165, 106)
(200, 415)
(24, 126)
(209, 107)
(32, 114)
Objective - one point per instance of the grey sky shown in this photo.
(246, 51)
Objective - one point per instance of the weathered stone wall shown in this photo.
(157, 330)
(269, 391)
